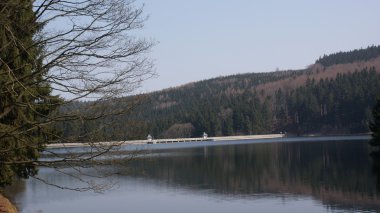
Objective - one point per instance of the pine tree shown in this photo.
(25, 98)
(375, 125)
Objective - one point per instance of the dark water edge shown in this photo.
(324, 174)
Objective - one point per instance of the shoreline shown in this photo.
(183, 140)
(175, 140)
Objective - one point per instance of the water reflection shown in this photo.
(376, 167)
(339, 175)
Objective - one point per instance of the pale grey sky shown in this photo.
(201, 39)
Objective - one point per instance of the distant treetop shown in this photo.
(351, 56)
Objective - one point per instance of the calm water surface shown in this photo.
(288, 175)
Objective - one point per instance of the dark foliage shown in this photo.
(234, 105)
(25, 98)
(340, 105)
(349, 57)
(375, 125)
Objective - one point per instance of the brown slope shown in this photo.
(317, 72)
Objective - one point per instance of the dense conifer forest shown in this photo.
(315, 100)
(350, 57)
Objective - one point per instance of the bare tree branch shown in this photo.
(81, 50)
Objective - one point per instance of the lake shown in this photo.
(317, 174)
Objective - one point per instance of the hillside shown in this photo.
(334, 95)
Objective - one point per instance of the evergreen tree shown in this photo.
(71, 59)
(375, 125)
(24, 93)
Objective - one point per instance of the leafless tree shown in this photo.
(91, 47)
(88, 50)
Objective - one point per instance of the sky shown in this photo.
(202, 39)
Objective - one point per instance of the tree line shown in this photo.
(351, 56)
(232, 106)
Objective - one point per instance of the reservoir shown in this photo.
(313, 174)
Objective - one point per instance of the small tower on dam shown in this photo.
(205, 135)
(149, 138)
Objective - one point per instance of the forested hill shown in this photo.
(350, 57)
(335, 95)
